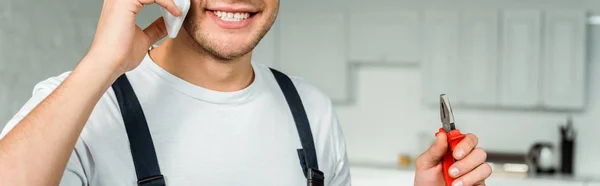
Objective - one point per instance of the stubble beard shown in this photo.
(204, 43)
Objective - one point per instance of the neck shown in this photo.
(182, 58)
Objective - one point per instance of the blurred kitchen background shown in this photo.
(516, 72)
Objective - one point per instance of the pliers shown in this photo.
(453, 135)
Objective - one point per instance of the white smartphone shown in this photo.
(173, 23)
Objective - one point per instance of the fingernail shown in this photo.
(459, 153)
(453, 172)
(457, 183)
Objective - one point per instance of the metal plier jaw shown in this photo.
(453, 136)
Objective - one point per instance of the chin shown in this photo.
(223, 55)
(226, 46)
(230, 49)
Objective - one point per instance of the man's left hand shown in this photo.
(470, 169)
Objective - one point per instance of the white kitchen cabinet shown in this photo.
(384, 36)
(520, 61)
(477, 76)
(440, 55)
(312, 46)
(563, 65)
(371, 176)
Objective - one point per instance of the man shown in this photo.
(214, 117)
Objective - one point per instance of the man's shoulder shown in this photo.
(40, 91)
(308, 91)
(51, 83)
(45, 87)
(316, 102)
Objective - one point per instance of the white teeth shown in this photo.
(230, 16)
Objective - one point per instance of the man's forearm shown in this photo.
(36, 151)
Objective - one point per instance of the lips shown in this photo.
(232, 17)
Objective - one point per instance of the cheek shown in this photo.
(196, 9)
(272, 5)
(268, 15)
(198, 3)
(198, 19)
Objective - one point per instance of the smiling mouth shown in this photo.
(233, 16)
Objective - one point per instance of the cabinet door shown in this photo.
(440, 55)
(519, 68)
(477, 76)
(312, 47)
(563, 69)
(389, 36)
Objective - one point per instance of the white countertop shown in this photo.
(372, 176)
(364, 176)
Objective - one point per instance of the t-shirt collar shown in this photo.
(201, 93)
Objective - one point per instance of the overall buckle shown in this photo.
(315, 177)
(152, 181)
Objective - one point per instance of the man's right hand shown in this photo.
(119, 41)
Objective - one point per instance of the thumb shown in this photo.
(433, 156)
(156, 31)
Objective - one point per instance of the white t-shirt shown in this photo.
(204, 137)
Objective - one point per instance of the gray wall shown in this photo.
(40, 39)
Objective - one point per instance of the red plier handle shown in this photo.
(454, 137)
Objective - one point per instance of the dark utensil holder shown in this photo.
(567, 149)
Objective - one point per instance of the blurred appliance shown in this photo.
(541, 158)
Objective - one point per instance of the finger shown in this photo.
(470, 162)
(465, 146)
(434, 154)
(169, 5)
(156, 31)
(476, 176)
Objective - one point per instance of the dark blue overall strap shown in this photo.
(140, 140)
(308, 154)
